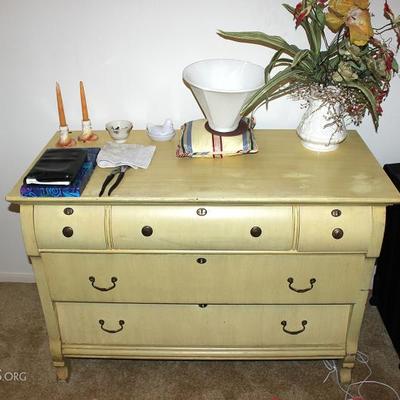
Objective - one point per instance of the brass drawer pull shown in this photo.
(201, 260)
(203, 305)
(201, 212)
(121, 324)
(303, 323)
(147, 230)
(67, 231)
(291, 280)
(337, 233)
(255, 231)
(68, 211)
(113, 280)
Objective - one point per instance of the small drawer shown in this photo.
(202, 227)
(335, 228)
(69, 227)
(203, 325)
(206, 278)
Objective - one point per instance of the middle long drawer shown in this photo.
(207, 278)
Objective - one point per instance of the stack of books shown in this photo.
(60, 173)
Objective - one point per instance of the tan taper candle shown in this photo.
(85, 114)
(60, 106)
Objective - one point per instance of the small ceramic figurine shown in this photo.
(87, 134)
(161, 133)
(65, 140)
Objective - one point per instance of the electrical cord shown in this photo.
(362, 358)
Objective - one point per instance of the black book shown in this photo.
(56, 167)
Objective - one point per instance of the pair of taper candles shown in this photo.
(87, 135)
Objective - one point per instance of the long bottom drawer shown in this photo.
(200, 325)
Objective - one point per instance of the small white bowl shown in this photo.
(161, 133)
(161, 138)
(119, 130)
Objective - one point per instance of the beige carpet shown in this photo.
(24, 348)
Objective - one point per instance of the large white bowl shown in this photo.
(222, 87)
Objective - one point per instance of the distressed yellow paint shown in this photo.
(294, 271)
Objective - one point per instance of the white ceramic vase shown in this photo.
(317, 130)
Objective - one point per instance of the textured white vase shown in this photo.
(316, 130)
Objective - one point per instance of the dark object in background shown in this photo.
(386, 290)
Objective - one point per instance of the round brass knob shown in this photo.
(68, 211)
(147, 230)
(201, 260)
(336, 213)
(255, 231)
(337, 233)
(67, 231)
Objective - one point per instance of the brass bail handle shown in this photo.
(114, 279)
(121, 324)
(291, 281)
(303, 323)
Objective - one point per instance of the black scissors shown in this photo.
(120, 171)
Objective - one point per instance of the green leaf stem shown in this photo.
(276, 82)
(370, 100)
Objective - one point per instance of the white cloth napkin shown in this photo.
(117, 154)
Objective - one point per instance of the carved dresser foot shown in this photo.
(346, 369)
(62, 372)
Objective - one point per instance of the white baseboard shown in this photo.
(17, 277)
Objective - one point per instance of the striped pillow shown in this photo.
(196, 141)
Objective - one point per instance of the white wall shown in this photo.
(130, 54)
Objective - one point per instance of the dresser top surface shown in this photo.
(283, 171)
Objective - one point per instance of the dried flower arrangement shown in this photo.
(353, 69)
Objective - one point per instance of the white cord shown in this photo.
(362, 358)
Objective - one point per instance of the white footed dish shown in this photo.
(161, 133)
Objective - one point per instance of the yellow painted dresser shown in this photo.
(264, 256)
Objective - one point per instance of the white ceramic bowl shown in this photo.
(119, 130)
(222, 87)
(161, 133)
(161, 137)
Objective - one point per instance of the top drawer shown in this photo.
(210, 227)
(69, 227)
(335, 228)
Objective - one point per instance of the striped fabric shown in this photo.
(196, 141)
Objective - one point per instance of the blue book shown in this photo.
(76, 187)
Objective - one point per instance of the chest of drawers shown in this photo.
(268, 256)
